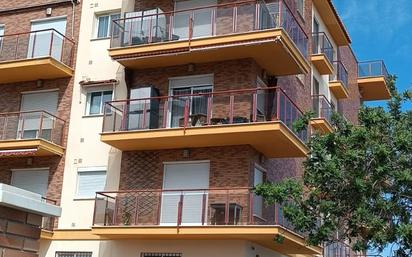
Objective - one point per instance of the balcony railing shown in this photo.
(322, 108)
(340, 74)
(208, 21)
(209, 108)
(322, 45)
(372, 69)
(48, 222)
(191, 207)
(31, 125)
(37, 44)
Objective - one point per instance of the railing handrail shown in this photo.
(54, 202)
(223, 92)
(29, 112)
(36, 31)
(384, 70)
(324, 97)
(212, 6)
(160, 190)
(325, 35)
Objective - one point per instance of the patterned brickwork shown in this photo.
(19, 21)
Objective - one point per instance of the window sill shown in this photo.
(93, 116)
(76, 199)
(99, 38)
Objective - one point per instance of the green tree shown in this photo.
(357, 181)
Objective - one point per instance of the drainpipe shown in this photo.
(74, 2)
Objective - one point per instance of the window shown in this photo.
(160, 255)
(90, 181)
(96, 101)
(300, 6)
(104, 25)
(73, 254)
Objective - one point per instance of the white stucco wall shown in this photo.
(323, 79)
(84, 147)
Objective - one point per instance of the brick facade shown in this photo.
(19, 21)
(19, 233)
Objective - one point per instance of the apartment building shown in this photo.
(37, 57)
(177, 109)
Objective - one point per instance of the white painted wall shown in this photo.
(323, 79)
(189, 248)
(84, 147)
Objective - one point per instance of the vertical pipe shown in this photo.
(17, 46)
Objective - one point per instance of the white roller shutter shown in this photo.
(183, 176)
(31, 180)
(40, 42)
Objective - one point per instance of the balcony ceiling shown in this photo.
(29, 147)
(333, 22)
(32, 70)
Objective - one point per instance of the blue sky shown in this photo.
(381, 29)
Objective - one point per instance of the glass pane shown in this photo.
(202, 21)
(107, 97)
(199, 103)
(116, 30)
(103, 26)
(178, 106)
(95, 101)
(181, 25)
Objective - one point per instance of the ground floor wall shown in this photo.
(135, 248)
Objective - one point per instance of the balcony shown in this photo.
(262, 118)
(322, 53)
(35, 133)
(323, 110)
(35, 55)
(338, 81)
(332, 22)
(372, 81)
(218, 214)
(248, 29)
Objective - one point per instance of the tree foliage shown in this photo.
(357, 184)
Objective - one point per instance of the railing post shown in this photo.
(254, 107)
(136, 212)
(231, 108)
(257, 16)
(186, 113)
(17, 47)
(251, 217)
(105, 211)
(22, 125)
(34, 44)
(62, 52)
(227, 208)
(203, 208)
(115, 211)
(234, 19)
(123, 126)
(144, 116)
(94, 210)
(131, 30)
(180, 211)
(150, 39)
(209, 110)
(41, 125)
(51, 43)
(280, 14)
(165, 113)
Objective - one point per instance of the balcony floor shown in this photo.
(321, 125)
(286, 58)
(263, 136)
(322, 64)
(338, 89)
(374, 88)
(29, 147)
(32, 70)
(263, 235)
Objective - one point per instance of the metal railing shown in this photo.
(189, 207)
(37, 44)
(218, 108)
(208, 21)
(342, 249)
(322, 45)
(340, 73)
(48, 222)
(372, 69)
(322, 107)
(31, 125)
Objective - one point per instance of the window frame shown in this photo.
(2, 31)
(84, 170)
(109, 25)
(101, 106)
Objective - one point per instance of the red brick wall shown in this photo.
(10, 94)
(349, 107)
(19, 233)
